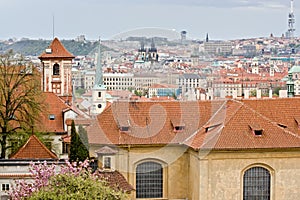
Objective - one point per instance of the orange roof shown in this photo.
(57, 51)
(34, 149)
(115, 180)
(56, 107)
(222, 124)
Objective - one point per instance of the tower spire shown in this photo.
(291, 22)
(99, 79)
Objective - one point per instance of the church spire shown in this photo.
(99, 76)
(206, 39)
(99, 89)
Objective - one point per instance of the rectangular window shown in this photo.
(107, 162)
(5, 187)
(99, 94)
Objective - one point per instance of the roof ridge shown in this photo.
(197, 131)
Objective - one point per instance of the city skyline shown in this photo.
(228, 19)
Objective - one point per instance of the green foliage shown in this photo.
(20, 98)
(36, 47)
(276, 91)
(79, 92)
(138, 93)
(253, 93)
(78, 150)
(66, 186)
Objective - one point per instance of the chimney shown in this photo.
(246, 94)
(234, 94)
(283, 94)
(258, 93)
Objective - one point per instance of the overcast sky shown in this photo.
(221, 19)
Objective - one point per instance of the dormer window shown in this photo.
(124, 128)
(258, 132)
(210, 127)
(177, 125)
(106, 158)
(179, 128)
(297, 119)
(256, 129)
(124, 125)
(52, 117)
(48, 51)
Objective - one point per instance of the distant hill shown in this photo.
(36, 47)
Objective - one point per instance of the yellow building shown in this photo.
(206, 150)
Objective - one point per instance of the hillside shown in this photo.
(36, 47)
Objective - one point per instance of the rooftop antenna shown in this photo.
(52, 26)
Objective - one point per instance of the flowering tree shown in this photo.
(72, 181)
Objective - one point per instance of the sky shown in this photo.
(221, 19)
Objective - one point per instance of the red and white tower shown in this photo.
(57, 70)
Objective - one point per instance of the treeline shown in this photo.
(36, 47)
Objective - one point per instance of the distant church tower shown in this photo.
(57, 70)
(290, 85)
(291, 22)
(99, 90)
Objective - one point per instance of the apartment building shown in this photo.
(118, 81)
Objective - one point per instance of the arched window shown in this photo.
(56, 69)
(149, 180)
(257, 182)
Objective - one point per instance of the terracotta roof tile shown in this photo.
(15, 175)
(227, 124)
(34, 149)
(57, 51)
(116, 180)
(54, 106)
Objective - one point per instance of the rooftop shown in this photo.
(56, 50)
(220, 124)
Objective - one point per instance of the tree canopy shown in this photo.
(72, 181)
(79, 145)
(20, 98)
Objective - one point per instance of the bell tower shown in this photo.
(99, 89)
(57, 70)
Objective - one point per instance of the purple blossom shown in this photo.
(42, 172)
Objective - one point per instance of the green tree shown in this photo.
(20, 98)
(68, 187)
(78, 151)
(65, 182)
(253, 93)
(276, 91)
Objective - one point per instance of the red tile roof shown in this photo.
(227, 124)
(15, 175)
(57, 51)
(34, 149)
(116, 180)
(53, 106)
